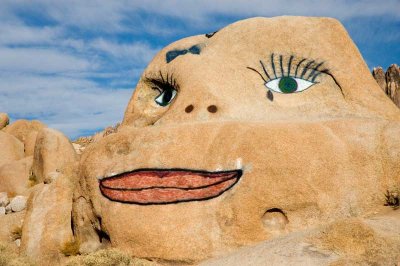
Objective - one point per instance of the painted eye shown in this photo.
(166, 86)
(289, 75)
(165, 97)
(288, 85)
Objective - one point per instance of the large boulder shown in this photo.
(268, 127)
(14, 176)
(53, 152)
(47, 226)
(26, 131)
(11, 148)
(4, 120)
(21, 128)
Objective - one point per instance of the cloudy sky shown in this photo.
(74, 64)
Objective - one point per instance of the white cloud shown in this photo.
(21, 34)
(39, 60)
(139, 52)
(71, 105)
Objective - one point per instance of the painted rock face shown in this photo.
(266, 127)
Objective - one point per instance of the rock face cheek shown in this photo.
(302, 173)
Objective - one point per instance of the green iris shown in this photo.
(287, 85)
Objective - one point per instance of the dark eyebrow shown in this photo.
(171, 55)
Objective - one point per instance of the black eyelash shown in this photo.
(162, 84)
(310, 65)
(297, 67)
(273, 64)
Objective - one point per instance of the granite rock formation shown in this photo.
(389, 81)
(239, 138)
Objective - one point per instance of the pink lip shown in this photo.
(165, 186)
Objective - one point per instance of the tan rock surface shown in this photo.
(14, 176)
(53, 151)
(372, 241)
(327, 152)
(30, 142)
(47, 225)
(4, 120)
(389, 81)
(11, 148)
(21, 128)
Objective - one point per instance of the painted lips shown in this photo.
(165, 186)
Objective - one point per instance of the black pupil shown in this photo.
(166, 98)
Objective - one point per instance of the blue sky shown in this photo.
(75, 64)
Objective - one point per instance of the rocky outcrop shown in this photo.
(389, 81)
(53, 151)
(379, 75)
(83, 142)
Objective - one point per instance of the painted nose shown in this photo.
(211, 108)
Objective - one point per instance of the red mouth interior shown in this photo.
(167, 186)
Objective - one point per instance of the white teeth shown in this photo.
(110, 174)
(239, 163)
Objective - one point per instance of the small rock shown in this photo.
(8, 209)
(18, 203)
(4, 199)
(2, 211)
(18, 242)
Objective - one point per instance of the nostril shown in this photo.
(212, 109)
(275, 220)
(189, 108)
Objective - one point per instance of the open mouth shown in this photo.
(166, 186)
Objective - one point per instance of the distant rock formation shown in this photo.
(389, 81)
